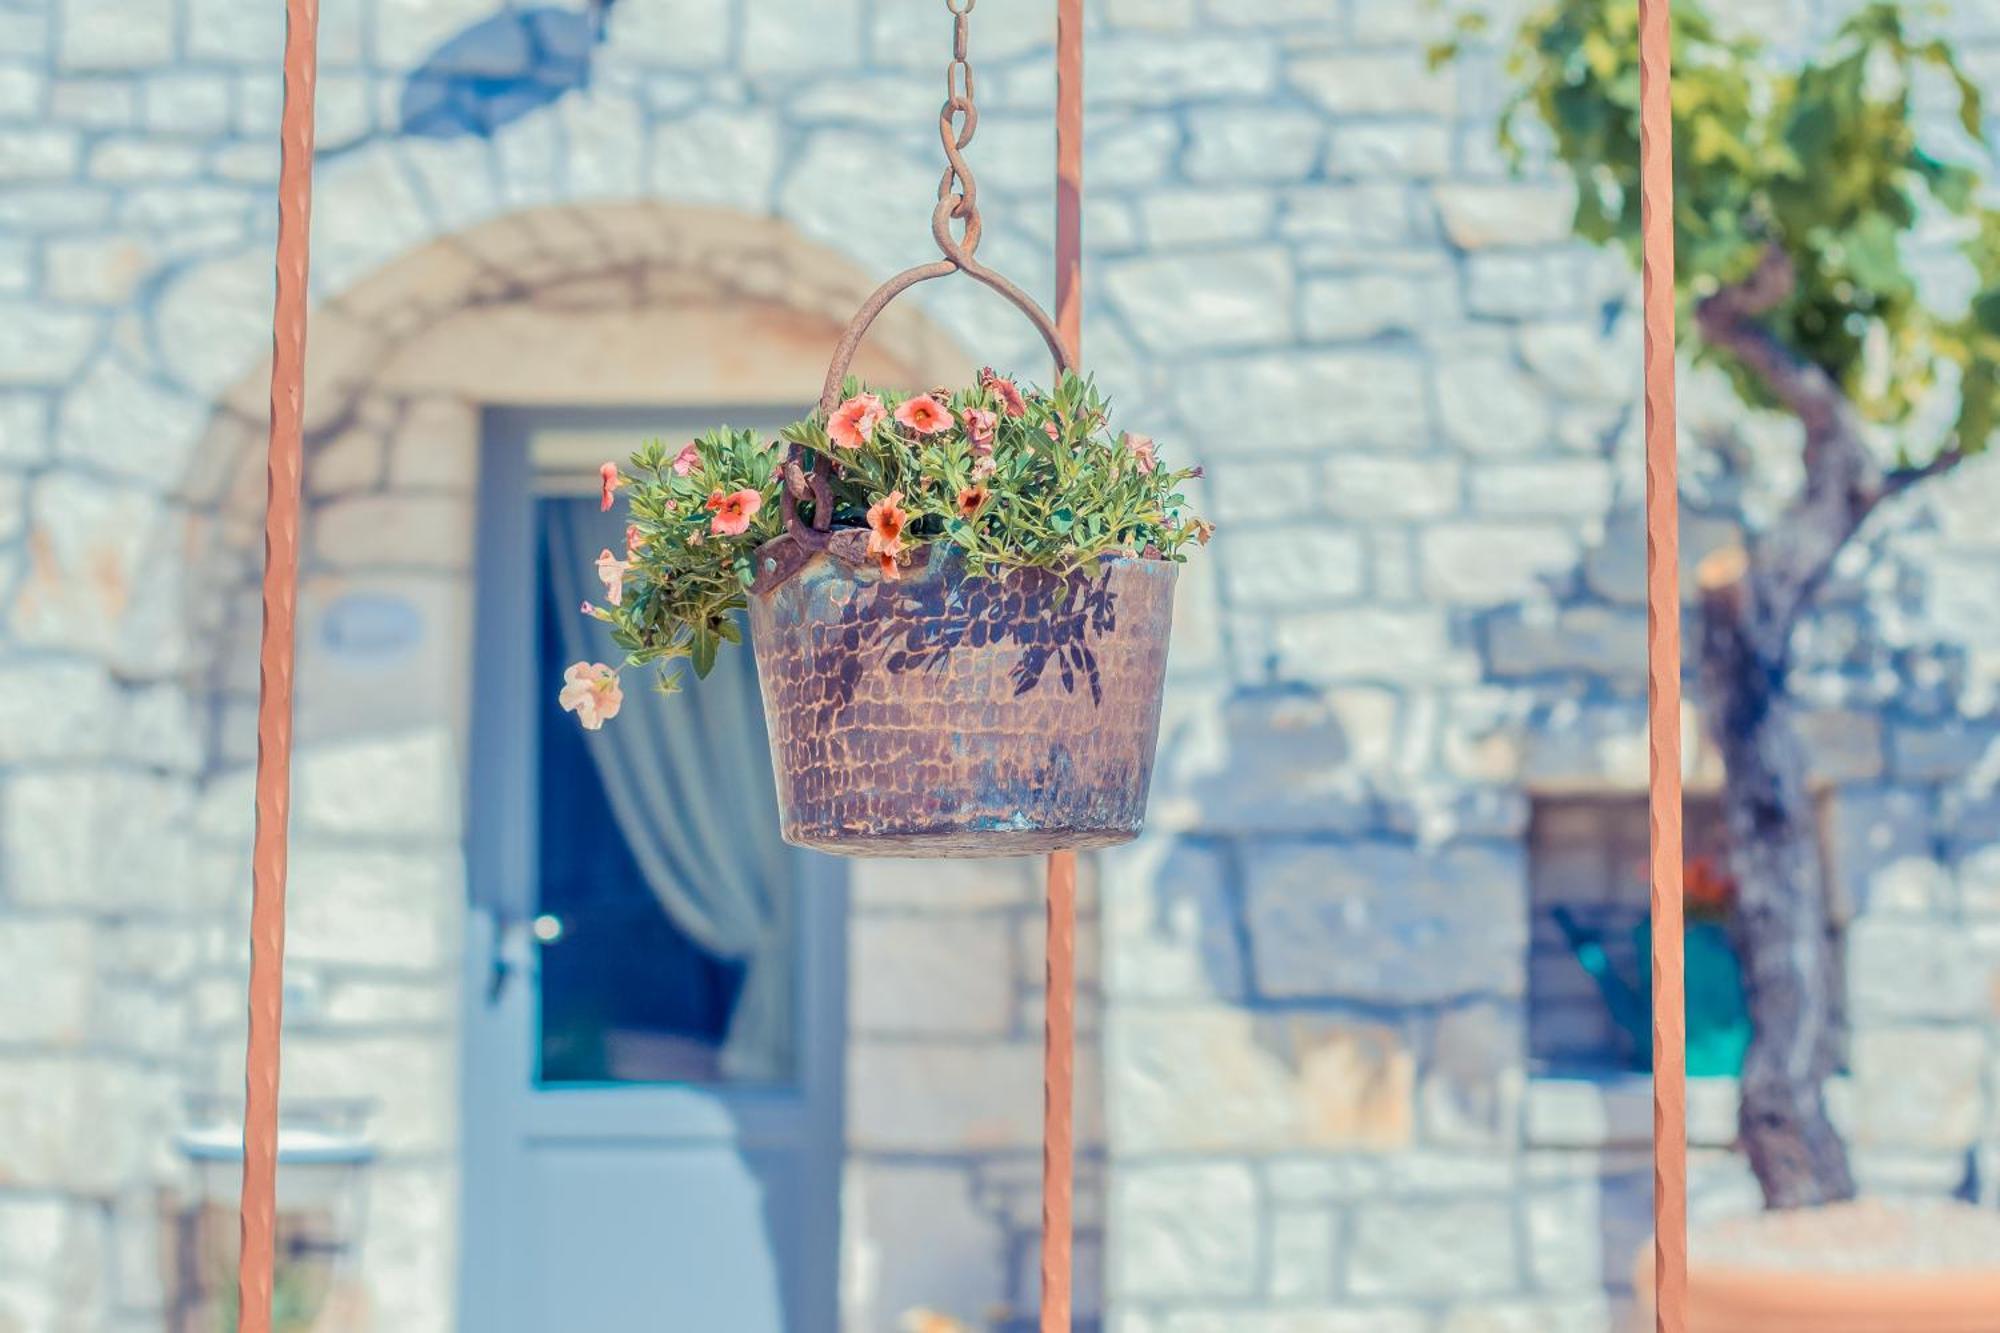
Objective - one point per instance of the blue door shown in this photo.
(651, 1120)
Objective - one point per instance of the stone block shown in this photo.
(931, 974)
(410, 1078)
(49, 966)
(1389, 646)
(42, 345)
(1484, 562)
(943, 1096)
(797, 36)
(1365, 486)
(94, 35)
(1217, 299)
(1374, 149)
(1880, 837)
(1284, 758)
(79, 1124)
(1432, 1251)
(104, 839)
(1375, 83)
(917, 1236)
(405, 786)
(1585, 639)
(675, 34)
(1506, 284)
(1583, 362)
(1482, 216)
(1386, 922)
(1231, 144)
(1186, 1231)
(1915, 1087)
(1304, 1258)
(720, 155)
(1359, 399)
(359, 907)
(1842, 745)
(1489, 406)
(1366, 216)
(37, 155)
(1566, 1250)
(1906, 968)
(1559, 1314)
(1148, 70)
(1277, 567)
(1474, 1076)
(945, 886)
(1569, 488)
(398, 530)
(1206, 217)
(1323, 1319)
(1941, 753)
(129, 424)
(95, 270)
(1169, 924)
(1210, 1080)
(1367, 305)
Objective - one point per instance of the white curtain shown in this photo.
(689, 781)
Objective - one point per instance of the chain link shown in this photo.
(958, 120)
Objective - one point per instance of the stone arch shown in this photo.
(620, 305)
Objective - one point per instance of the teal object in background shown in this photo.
(1718, 1017)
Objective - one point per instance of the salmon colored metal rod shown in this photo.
(1663, 669)
(274, 698)
(1059, 1033)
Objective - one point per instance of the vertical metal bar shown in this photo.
(1059, 1033)
(274, 701)
(1663, 669)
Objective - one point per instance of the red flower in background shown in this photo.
(608, 481)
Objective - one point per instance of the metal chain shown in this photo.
(958, 119)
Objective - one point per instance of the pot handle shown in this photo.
(817, 484)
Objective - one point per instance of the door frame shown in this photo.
(502, 1110)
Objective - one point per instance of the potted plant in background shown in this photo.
(959, 601)
(1796, 189)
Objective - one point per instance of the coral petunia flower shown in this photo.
(1141, 449)
(971, 500)
(924, 415)
(1005, 389)
(734, 511)
(886, 518)
(687, 460)
(612, 570)
(979, 428)
(608, 481)
(591, 691)
(855, 420)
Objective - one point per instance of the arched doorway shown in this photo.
(525, 339)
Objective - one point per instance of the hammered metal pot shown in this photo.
(947, 713)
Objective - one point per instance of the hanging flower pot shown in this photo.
(959, 601)
(960, 605)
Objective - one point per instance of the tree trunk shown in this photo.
(1782, 928)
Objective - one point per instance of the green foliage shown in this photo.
(1824, 161)
(1010, 479)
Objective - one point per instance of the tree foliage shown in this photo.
(1827, 161)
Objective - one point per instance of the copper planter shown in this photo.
(950, 714)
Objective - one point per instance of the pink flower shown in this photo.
(634, 539)
(982, 468)
(587, 609)
(886, 518)
(971, 500)
(924, 415)
(855, 420)
(590, 690)
(979, 427)
(687, 460)
(608, 481)
(733, 511)
(612, 570)
(1008, 392)
(1141, 449)
(1049, 429)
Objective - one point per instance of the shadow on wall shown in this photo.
(501, 69)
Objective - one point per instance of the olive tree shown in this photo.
(1799, 186)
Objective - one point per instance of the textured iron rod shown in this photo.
(1059, 1033)
(1663, 670)
(259, 1220)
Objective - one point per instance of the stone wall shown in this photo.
(1307, 266)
